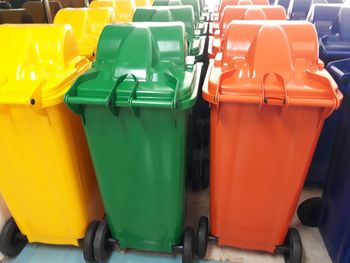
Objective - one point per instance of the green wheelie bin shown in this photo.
(135, 104)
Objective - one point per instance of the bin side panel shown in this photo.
(140, 165)
(46, 175)
(259, 160)
(335, 219)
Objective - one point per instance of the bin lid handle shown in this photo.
(265, 98)
(224, 75)
(173, 77)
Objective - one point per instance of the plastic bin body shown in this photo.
(87, 24)
(264, 128)
(298, 9)
(337, 46)
(323, 16)
(139, 155)
(232, 13)
(46, 175)
(225, 3)
(335, 218)
(141, 3)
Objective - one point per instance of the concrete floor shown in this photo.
(314, 250)
(198, 204)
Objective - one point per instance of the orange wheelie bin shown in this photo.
(269, 96)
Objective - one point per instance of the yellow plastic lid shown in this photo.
(123, 9)
(87, 24)
(38, 64)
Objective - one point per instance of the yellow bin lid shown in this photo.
(38, 64)
(87, 24)
(124, 9)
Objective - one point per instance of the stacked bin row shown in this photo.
(143, 100)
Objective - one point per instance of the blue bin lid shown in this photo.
(298, 9)
(340, 71)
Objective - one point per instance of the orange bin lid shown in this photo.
(271, 62)
(255, 12)
(225, 3)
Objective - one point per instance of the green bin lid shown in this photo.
(194, 3)
(138, 65)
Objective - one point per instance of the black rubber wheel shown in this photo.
(12, 241)
(205, 173)
(102, 247)
(202, 238)
(196, 180)
(294, 251)
(309, 212)
(88, 242)
(188, 245)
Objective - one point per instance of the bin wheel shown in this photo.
(292, 248)
(102, 246)
(88, 242)
(202, 238)
(205, 173)
(309, 211)
(196, 176)
(188, 245)
(12, 241)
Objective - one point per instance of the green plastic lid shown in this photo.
(138, 65)
(194, 3)
(168, 14)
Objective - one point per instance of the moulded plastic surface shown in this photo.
(74, 3)
(4, 216)
(43, 143)
(15, 16)
(142, 99)
(337, 46)
(87, 24)
(171, 14)
(268, 105)
(335, 219)
(140, 3)
(323, 16)
(232, 13)
(124, 9)
(37, 10)
(5, 5)
(284, 3)
(298, 9)
(225, 3)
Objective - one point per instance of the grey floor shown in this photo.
(198, 204)
(314, 250)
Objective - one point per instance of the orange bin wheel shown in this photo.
(231, 13)
(269, 97)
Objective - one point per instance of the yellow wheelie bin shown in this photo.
(124, 9)
(87, 24)
(46, 175)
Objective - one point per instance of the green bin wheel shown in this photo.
(88, 242)
(202, 238)
(188, 245)
(102, 246)
(12, 241)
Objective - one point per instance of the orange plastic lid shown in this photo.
(225, 3)
(254, 12)
(271, 62)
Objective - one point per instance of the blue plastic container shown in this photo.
(337, 46)
(284, 3)
(298, 9)
(324, 16)
(335, 216)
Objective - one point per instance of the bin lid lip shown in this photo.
(39, 77)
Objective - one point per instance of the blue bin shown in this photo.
(335, 215)
(298, 9)
(324, 16)
(337, 46)
(284, 3)
(332, 47)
